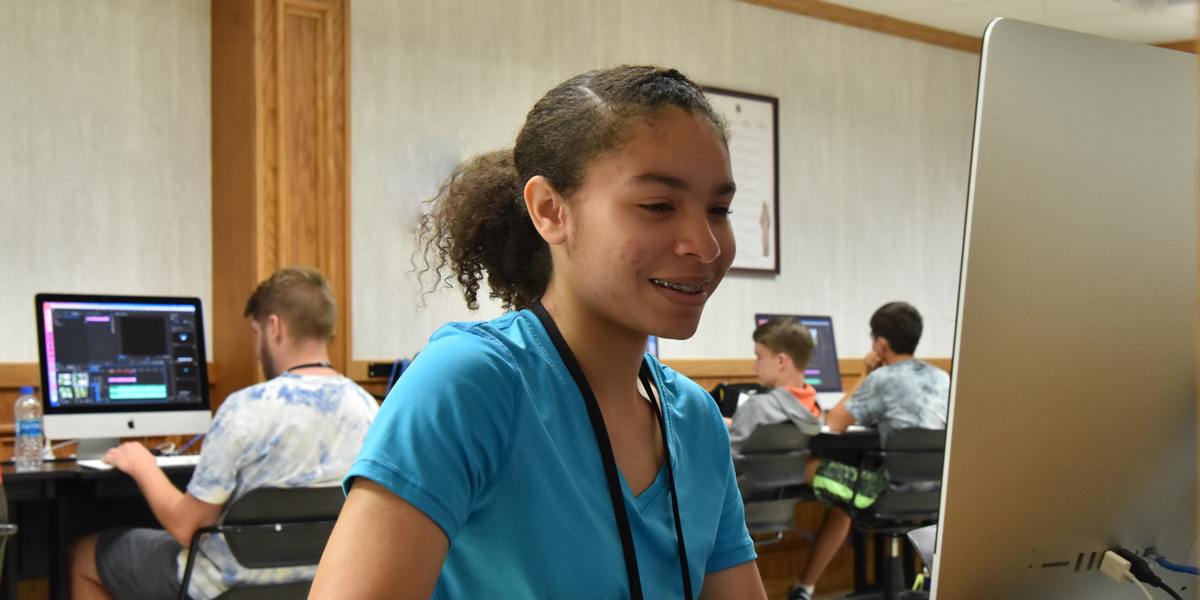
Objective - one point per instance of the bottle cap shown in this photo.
(26, 389)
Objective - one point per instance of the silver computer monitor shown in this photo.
(1073, 398)
(121, 366)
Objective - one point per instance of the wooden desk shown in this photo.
(63, 502)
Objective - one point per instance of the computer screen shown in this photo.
(652, 346)
(1072, 425)
(119, 366)
(822, 371)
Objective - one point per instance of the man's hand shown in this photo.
(179, 513)
(130, 457)
(872, 361)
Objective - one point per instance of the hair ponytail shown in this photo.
(478, 222)
(478, 225)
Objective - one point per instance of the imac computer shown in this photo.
(121, 366)
(1072, 426)
(822, 371)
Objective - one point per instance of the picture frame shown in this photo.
(754, 153)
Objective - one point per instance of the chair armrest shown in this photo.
(191, 559)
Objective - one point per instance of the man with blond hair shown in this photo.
(302, 427)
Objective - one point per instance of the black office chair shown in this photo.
(7, 529)
(726, 395)
(271, 528)
(913, 458)
(770, 477)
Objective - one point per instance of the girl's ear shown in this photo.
(548, 210)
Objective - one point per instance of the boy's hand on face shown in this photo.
(872, 361)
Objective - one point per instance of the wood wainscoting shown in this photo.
(281, 163)
(710, 372)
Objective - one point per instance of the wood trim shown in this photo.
(16, 375)
(901, 28)
(1182, 46)
(237, 182)
(695, 368)
(312, 149)
(281, 165)
(356, 370)
(744, 367)
(876, 22)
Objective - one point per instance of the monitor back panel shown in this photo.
(1073, 399)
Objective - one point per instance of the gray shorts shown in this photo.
(138, 564)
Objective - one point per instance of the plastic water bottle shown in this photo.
(27, 451)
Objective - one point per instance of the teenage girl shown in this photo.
(543, 454)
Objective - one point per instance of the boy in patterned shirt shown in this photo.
(895, 391)
(303, 427)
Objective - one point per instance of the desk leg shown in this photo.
(880, 560)
(11, 553)
(60, 553)
(860, 561)
(910, 564)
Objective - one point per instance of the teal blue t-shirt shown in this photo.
(487, 434)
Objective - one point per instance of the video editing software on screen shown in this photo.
(107, 353)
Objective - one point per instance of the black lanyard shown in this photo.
(610, 463)
(309, 366)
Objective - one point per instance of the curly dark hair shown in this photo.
(478, 225)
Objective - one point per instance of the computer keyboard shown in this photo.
(185, 460)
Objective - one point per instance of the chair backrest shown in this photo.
(773, 439)
(281, 527)
(726, 395)
(915, 455)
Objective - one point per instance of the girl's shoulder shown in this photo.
(510, 347)
(683, 395)
(511, 338)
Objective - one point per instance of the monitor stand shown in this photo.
(95, 448)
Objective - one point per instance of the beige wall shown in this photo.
(105, 150)
(875, 140)
(105, 164)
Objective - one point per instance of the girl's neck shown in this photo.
(609, 354)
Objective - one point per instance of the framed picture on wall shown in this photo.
(754, 154)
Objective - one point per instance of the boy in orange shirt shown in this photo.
(782, 349)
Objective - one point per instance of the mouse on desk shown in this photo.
(155, 451)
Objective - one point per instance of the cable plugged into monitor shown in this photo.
(1162, 561)
(1123, 565)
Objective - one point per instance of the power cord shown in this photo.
(1122, 565)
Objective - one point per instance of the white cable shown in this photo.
(64, 444)
(1130, 577)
